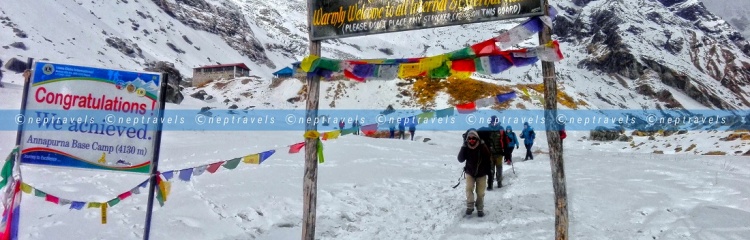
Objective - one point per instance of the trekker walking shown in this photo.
(511, 142)
(342, 125)
(355, 125)
(528, 136)
(477, 157)
(412, 129)
(401, 130)
(392, 129)
(491, 137)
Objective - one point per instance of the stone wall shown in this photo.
(202, 78)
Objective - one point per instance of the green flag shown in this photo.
(232, 164)
(113, 202)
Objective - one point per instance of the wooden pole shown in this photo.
(553, 137)
(310, 184)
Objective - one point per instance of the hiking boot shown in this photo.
(499, 185)
(469, 211)
(480, 214)
(489, 187)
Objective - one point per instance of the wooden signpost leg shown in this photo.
(553, 137)
(310, 184)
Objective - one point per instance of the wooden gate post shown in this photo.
(553, 136)
(310, 184)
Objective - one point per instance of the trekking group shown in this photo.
(484, 150)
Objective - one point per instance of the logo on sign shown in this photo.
(48, 69)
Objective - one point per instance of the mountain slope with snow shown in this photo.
(659, 54)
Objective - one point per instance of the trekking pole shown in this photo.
(459, 178)
(512, 167)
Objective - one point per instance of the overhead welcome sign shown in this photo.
(347, 18)
(92, 118)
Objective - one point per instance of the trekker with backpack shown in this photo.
(491, 136)
(510, 142)
(528, 135)
(412, 129)
(476, 154)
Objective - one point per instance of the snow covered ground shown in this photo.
(395, 189)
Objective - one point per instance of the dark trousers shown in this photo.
(528, 152)
(412, 135)
(508, 153)
(393, 132)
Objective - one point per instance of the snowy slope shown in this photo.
(77, 32)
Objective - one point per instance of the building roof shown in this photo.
(287, 71)
(239, 65)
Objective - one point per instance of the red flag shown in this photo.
(466, 107)
(464, 65)
(351, 76)
(369, 129)
(296, 147)
(214, 166)
(124, 195)
(487, 47)
(52, 199)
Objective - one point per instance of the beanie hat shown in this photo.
(472, 133)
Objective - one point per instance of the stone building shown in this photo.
(205, 74)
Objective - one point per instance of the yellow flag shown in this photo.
(164, 187)
(95, 205)
(252, 159)
(460, 75)
(104, 213)
(25, 188)
(406, 70)
(429, 63)
(333, 134)
(309, 63)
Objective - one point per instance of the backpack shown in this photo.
(506, 139)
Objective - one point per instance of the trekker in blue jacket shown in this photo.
(528, 136)
(511, 142)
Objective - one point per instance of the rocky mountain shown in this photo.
(735, 13)
(620, 54)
